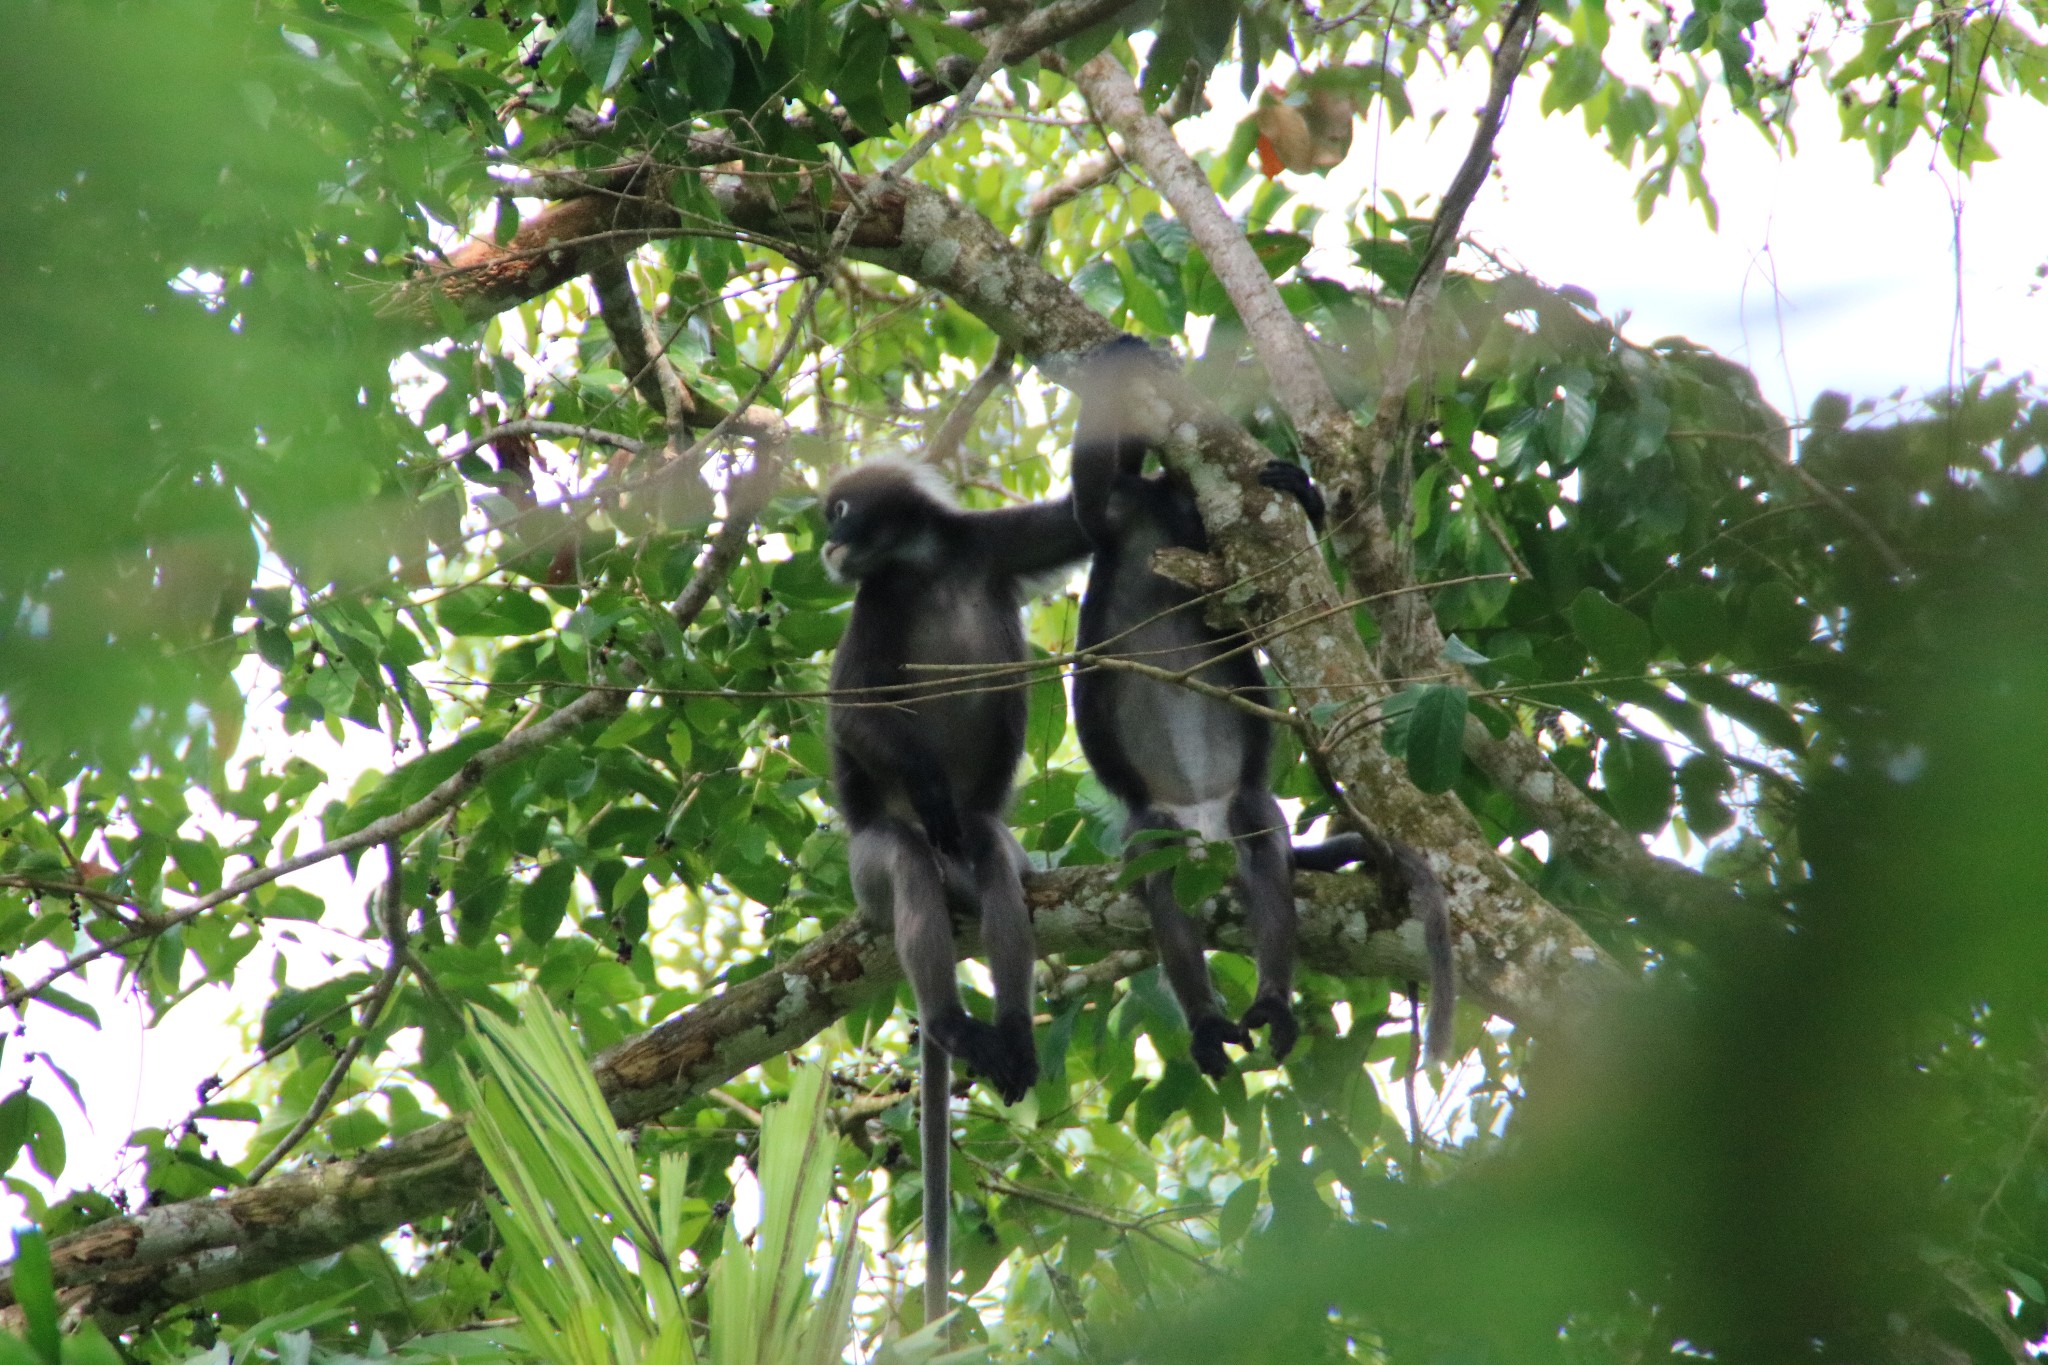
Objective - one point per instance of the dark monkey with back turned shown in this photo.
(1178, 759)
(927, 726)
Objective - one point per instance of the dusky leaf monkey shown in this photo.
(922, 760)
(1179, 760)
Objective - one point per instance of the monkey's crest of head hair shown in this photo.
(887, 473)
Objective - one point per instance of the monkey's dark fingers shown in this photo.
(1270, 1011)
(995, 1053)
(1207, 1049)
(1294, 481)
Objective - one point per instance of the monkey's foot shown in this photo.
(1211, 1034)
(1273, 1011)
(1001, 1053)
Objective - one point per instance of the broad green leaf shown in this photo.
(544, 900)
(1771, 722)
(484, 610)
(1693, 621)
(1702, 779)
(1436, 737)
(1046, 719)
(1203, 873)
(1774, 624)
(1101, 286)
(35, 1292)
(1636, 774)
(1617, 637)
(14, 1127)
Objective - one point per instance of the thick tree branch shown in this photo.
(127, 1268)
(613, 210)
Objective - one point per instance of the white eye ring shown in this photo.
(837, 510)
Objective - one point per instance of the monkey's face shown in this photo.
(879, 515)
(842, 535)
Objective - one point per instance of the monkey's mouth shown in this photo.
(834, 557)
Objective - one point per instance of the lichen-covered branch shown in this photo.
(1351, 462)
(1258, 535)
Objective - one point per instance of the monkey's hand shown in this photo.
(1294, 481)
(1273, 1011)
(1207, 1049)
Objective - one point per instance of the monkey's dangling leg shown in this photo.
(1012, 952)
(1265, 883)
(1181, 956)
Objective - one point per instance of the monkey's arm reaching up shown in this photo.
(1109, 445)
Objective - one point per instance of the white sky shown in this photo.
(1818, 278)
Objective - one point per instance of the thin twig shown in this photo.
(945, 442)
(392, 917)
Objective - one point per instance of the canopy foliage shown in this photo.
(414, 420)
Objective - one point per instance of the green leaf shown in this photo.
(1617, 637)
(1568, 421)
(1702, 779)
(1239, 1210)
(87, 1345)
(1148, 309)
(1436, 737)
(14, 1124)
(35, 1293)
(1693, 621)
(629, 726)
(1774, 625)
(274, 605)
(1636, 773)
(1101, 286)
(485, 610)
(1458, 652)
(274, 644)
(68, 1004)
(1204, 872)
(544, 900)
(1046, 720)
(230, 1111)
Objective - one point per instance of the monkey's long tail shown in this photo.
(1427, 900)
(935, 1095)
(1425, 896)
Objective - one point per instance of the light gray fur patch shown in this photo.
(1210, 819)
(925, 478)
